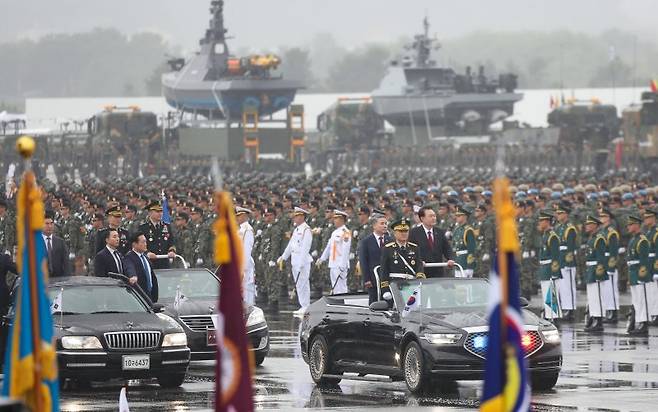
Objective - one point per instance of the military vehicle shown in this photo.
(352, 123)
(640, 128)
(423, 100)
(588, 127)
(127, 134)
(218, 85)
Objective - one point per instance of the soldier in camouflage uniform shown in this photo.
(325, 235)
(7, 229)
(444, 220)
(184, 240)
(269, 246)
(130, 220)
(360, 230)
(316, 222)
(97, 222)
(197, 258)
(73, 232)
(525, 239)
(485, 233)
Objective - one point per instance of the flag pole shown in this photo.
(25, 147)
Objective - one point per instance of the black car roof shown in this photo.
(84, 281)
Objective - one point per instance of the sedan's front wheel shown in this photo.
(319, 362)
(171, 381)
(413, 365)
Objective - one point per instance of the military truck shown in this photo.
(588, 127)
(640, 128)
(124, 137)
(351, 123)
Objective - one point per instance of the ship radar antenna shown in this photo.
(426, 24)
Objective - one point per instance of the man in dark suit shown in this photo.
(109, 259)
(138, 267)
(432, 242)
(370, 252)
(58, 254)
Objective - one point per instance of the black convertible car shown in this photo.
(198, 291)
(443, 340)
(106, 329)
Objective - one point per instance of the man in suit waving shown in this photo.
(138, 267)
(432, 242)
(370, 252)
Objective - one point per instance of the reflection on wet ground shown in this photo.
(608, 371)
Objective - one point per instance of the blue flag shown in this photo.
(31, 369)
(166, 216)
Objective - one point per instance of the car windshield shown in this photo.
(193, 284)
(448, 294)
(76, 300)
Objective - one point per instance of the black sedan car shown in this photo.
(198, 294)
(106, 329)
(443, 340)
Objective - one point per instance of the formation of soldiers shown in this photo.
(464, 212)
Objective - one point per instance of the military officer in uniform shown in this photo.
(399, 257)
(268, 250)
(464, 242)
(298, 250)
(247, 236)
(159, 237)
(612, 253)
(568, 235)
(113, 215)
(595, 273)
(640, 273)
(549, 266)
(337, 252)
(485, 233)
(651, 232)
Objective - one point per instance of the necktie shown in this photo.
(147, 272)
(49, 250)
(381, 242)
(430, 239)
(118, 259)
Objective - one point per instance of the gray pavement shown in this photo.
(604, 372)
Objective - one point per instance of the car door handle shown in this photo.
(366, 322)
(326, 318)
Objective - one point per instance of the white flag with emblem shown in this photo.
(56, 306)
(123, 401)
(413, 303)
(179, 298)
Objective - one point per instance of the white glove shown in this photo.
(525, 255)
(71, 255)
(532, 253)
(622, 250)
(260, 257)
(655, 278)
(259, 232)
(279, 260)
(271, 263)
(314, 253)
(355, 233)
(199, 261)
(485, 257)
(351, 256)
(448, 235)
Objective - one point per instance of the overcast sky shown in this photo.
(266, 24)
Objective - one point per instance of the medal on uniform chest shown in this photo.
(395, 257)
(150, 239)
(413, 262)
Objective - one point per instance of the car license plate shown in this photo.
(211, 337)
(136, 362)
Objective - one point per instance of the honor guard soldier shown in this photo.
(640, 274)
(159, 237)
(337, 252)
(247, 236)
(568, 235)
(400, 258)
(612, 254)
(113, 215)
(463, 241)
(595, 273)
(299, 252)
(651, 232)
(549, 266)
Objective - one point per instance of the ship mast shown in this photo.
(214, 41)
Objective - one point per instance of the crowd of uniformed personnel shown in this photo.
(463, 212)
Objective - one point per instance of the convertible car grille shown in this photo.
(476, 343)
(132, 340)
(200, 323)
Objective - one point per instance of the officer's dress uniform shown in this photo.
(611, 286)
(337, 252)
(568, 249)
(464, 244)
(394, 256)
(640, 275)
(159, 240)
(298, 250)
(652, 236)
(595, 273)
(550, 274)
(246, 233)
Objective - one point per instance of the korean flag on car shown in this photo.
(413, 303)
(56, 306)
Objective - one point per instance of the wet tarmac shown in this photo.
(604, 372)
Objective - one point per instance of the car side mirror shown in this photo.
(158, 307)
(523, 302)
(379, 306)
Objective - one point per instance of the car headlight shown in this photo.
(81, 342)
(443, 338)
(172, 323)
(551, 336)
(255, 317)
(175, 339)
